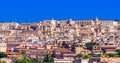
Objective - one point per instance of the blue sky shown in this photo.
(35, 10)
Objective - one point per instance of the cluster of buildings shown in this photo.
(62, 39)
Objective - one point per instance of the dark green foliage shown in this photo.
(73, 48)
(78, 56)
(104, 51)
(95, 55)
(85, 56)
(15, 50)
(98, 55)
(65, 45)
(90, 45)
(16, 61)
(111, 55)
(2, 54)
(118, 52)
(48, 58)
(27, 61)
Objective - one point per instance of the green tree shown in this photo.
(118, 52)
(2, 54)
(36, 61)
(17, 61)
(90, 45)
(111, 54)
(48, 58)
(86, 56)
(27, 61)
(98, 55)
(79, 56)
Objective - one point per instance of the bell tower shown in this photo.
(96, 21)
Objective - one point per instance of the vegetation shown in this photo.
(2, 54)
(73, 47)
(86, 56)
(90, 45)
(104, 51)
(3, 62)
(27, 61)
(95, 55)
(79, 56)
(48, 58)
(65, 45)
(118, 52)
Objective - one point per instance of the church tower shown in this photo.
(96, 21)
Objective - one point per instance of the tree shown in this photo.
(90, 45)
(73, 48)
(36, 61)
(98, 55)
(2, 54)
(15, 50)
(17, 61)
(111, 55)
(105, 55)
(118, 52)
(103, 49)
(65, 45)
(27, 61)
(48, 58)
(79, 56)
(86, 56)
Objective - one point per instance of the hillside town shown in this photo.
(63, 41)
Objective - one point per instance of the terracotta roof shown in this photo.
(62, 50)
(112, 47)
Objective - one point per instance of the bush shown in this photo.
(48, 58)
(90, 45)
(86, 56)
(2, 54)
(78, 56)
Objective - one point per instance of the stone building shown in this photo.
(3, 47)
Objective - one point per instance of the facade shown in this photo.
(65, 38)
(3, 47)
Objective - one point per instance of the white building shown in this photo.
(3, 47)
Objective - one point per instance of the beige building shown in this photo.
(84, 22)
(3, 47)
(78, 50)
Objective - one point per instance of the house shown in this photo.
(62, 60)
(3, 47)
(33, 54)
(63, 55)
(97, 51)
(108, 49)
(78, 50)
(85, 52)
(94, 60)
(15, 55)
(110, 60)
(70, 55)
(40, 47)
